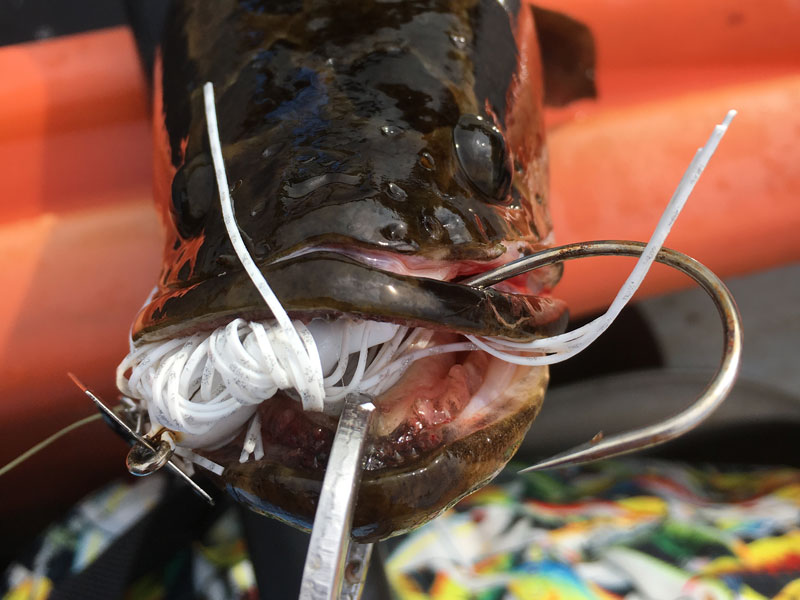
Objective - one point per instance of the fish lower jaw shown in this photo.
(416, 465)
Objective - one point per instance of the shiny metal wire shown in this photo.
(714, 394)
(336, 566)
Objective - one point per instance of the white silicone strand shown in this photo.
(307, 375)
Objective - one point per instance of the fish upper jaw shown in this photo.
(322, 282)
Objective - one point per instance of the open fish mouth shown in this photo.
(371, 170)
(446, 427)
(449, 415)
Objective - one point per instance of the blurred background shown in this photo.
(80, 246)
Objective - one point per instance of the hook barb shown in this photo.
(139, 439)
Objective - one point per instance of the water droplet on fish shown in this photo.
(317, 24)
(236, 185)
(459, 41)
(396, 192)
(390, 130)
(394, 50)
(395, 231)
(426, 161)
(228, 260)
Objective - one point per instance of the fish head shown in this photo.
(368, 174)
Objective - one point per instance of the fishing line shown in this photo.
(46, 442)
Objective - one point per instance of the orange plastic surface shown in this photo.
(79, 241)
(667, 72)
(79, 248)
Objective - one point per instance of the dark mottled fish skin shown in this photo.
(298, 84)
(337, 122)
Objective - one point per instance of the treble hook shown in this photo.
(706, 403)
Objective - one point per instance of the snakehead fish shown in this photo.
(378, 152)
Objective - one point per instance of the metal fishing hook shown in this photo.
(714, 394)
(146, 455)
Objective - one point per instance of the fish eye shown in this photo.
(482, 154)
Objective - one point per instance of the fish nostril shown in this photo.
(433, 227)
(391, 130)
(458, 40)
